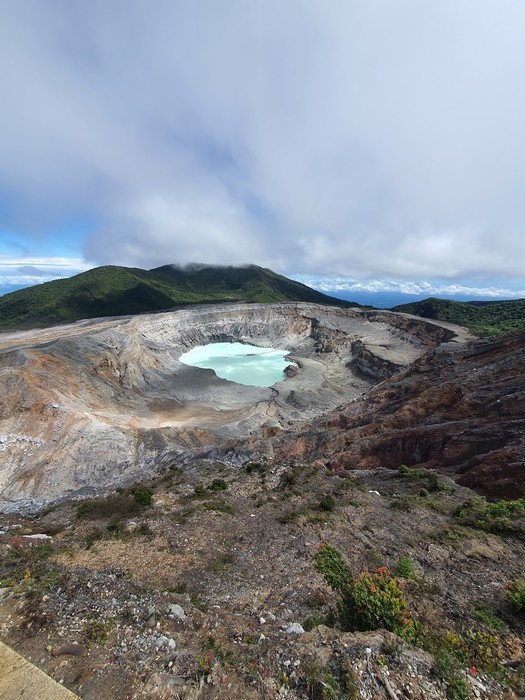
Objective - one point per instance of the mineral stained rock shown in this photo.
(459, 410)
(87, 407)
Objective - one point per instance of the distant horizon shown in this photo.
(387, 300)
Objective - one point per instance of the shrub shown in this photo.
(98, 630)
(221, 562)
(115, 526)
(404, 503)
(25, 568)
(219, 506)
(327, 504)
(435, 482)
(407, 473)
(289, 516)
(431, 481)
(516, 595)
(405, 568)
(455, 652)
(319, 681)
(457, 689)
(330, 563)
(218, 485)
(252, 467)
(142, 495)
(289, 478)
(484, 615)
(368, 601)
(313, 621)
(499, 517)
(116, 504)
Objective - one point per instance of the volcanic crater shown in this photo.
(102, 403)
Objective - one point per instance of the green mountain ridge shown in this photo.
(481, 317)
(112, 290)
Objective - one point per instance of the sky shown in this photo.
(354, 145)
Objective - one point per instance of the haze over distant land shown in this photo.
(373, 151)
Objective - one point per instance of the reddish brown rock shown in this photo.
(459, 410)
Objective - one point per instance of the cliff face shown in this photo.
(459, 410)
(88, 407)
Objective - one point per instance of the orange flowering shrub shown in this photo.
(369, 601)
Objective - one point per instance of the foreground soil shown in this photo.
(212, 591)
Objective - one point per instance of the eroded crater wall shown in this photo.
(94, 405)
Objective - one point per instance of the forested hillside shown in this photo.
(113, 291)
(482, 317)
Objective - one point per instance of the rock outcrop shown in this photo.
(458, 409)
(94, 405)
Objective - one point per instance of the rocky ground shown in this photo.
(211, 591)
(203, 582)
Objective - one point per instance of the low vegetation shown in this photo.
(369, 601)
(429, 481)
(215, 538)
(500, 517)
(516, 595)
(122, 504)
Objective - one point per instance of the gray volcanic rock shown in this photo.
(97, 404)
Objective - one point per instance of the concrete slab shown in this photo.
(19, 678)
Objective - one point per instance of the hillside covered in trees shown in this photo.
(482, 317)
(113, 291)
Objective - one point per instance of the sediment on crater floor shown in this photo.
(97, 404)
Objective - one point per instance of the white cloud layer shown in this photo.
(24, 271)
(348, 286)
(365, 138)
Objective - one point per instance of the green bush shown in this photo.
(142, 495)
(319, 681)
(405, 568)
(429, 479)
(435, 482)
(369, 601)
(218, 485)
(500, 517)
(485, 615)
(516, 595)
(330, 563)
(98, 630)
(327, 504)
(457, 689)
(455, 652)
(115, 526)
(407, 473)
(116, 504)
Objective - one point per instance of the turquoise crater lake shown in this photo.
(237, 362)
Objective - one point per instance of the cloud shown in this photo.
(342, 285)
(367, 139)
(24, 271)
(30, 270)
